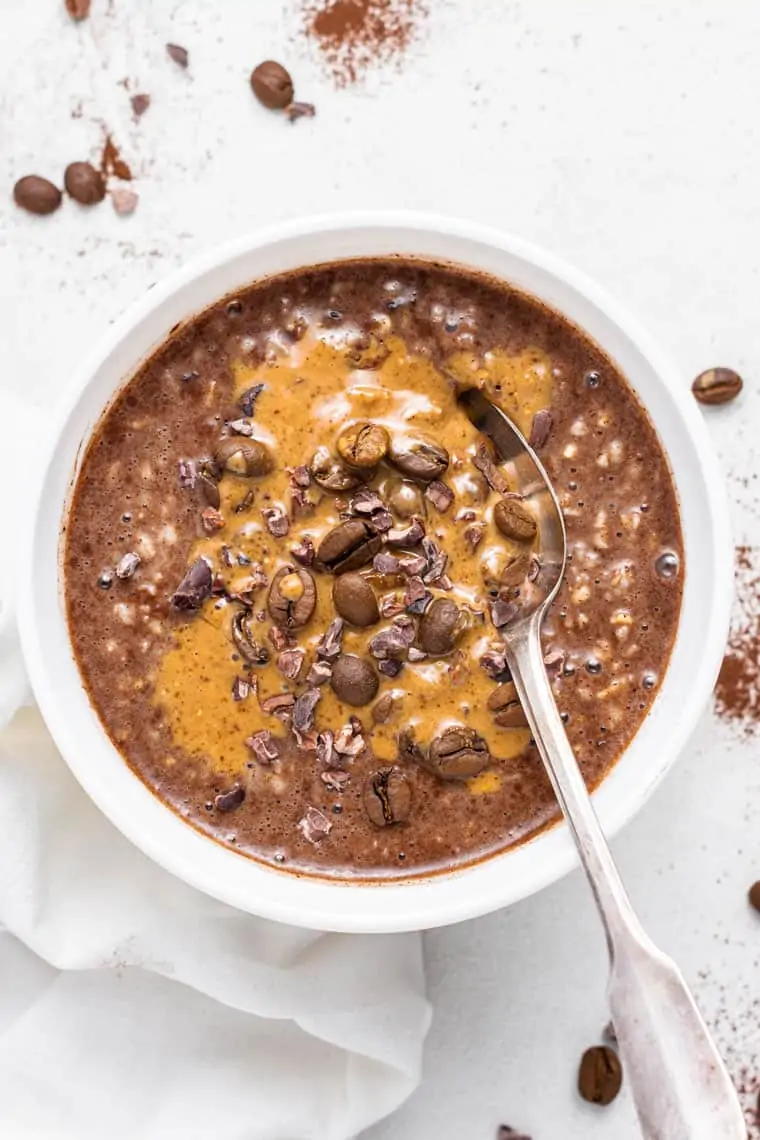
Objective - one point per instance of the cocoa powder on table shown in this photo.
(737, 692)
(353, 35)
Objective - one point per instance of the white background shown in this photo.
(624, 137)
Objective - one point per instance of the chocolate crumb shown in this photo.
(540, 431)
(296, 111)
(315, 825)
(277, 521)
(264, 746)
(127, 565)
(194, 588)
(78, 9)
(474, 534)
(241, 689)
(140, 104)
(290, 662)
(249, 398)
(124, 202)
(754, 896)
(180, 55)
(439, 495)
(230, 800)
(212, 520)
(319, 673)
(334, 779)
(304, 552)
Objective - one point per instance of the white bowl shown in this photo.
(419, 902)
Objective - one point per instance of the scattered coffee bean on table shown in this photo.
(37, 195)
(600, 1075)
(754, 895)
(84, 183)
(272, 85)
(78, 9)
(717, 386)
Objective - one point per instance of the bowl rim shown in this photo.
(323, 903)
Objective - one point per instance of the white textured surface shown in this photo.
(622, 136)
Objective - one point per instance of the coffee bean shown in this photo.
(457, 754)
(329, 473)
(348, 546)
(292, 597)
(179, 54)
(251, 650)
(140, 104)
(244, 457)
(754, 895)
(37, 195)
(600, 1075)
(362, 445)
(514, 520)
(717, 386)
(420, 459)
(78, 9)
(505, 704)
(272, 85)
(404, 499)
(440, 627)
(541, 427)
(387, 797)
(354, 680)
(84, 183)
(355, 600)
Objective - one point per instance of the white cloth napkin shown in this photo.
(135, 1008)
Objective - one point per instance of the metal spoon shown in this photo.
(680, 1086)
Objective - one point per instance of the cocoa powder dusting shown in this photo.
(737, 692)
(353, 35)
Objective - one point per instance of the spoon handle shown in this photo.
(679, 1084)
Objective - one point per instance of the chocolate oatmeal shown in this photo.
(289, 554)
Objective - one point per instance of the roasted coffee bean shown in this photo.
(140, 104)
(387, 797)
(457, 754)
(754, 895)
(354, 680)
(514, 520)
(600, 1075)
(84, 183)
(37, 195)
(272, 85)
(329, 473)
(252, 651)
(78, 9)
(292, 597)
(404, 499)
(717, 386)
(228, 801)
(194, 588)
(440, 627)
(505, 704)
(362, 445)
(244, 457)
(420, 459)
(355, 600)
(541, 427)
(348, 546)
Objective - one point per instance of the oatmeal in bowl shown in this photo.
(286, 557)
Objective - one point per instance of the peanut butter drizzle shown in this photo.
(310, 394)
